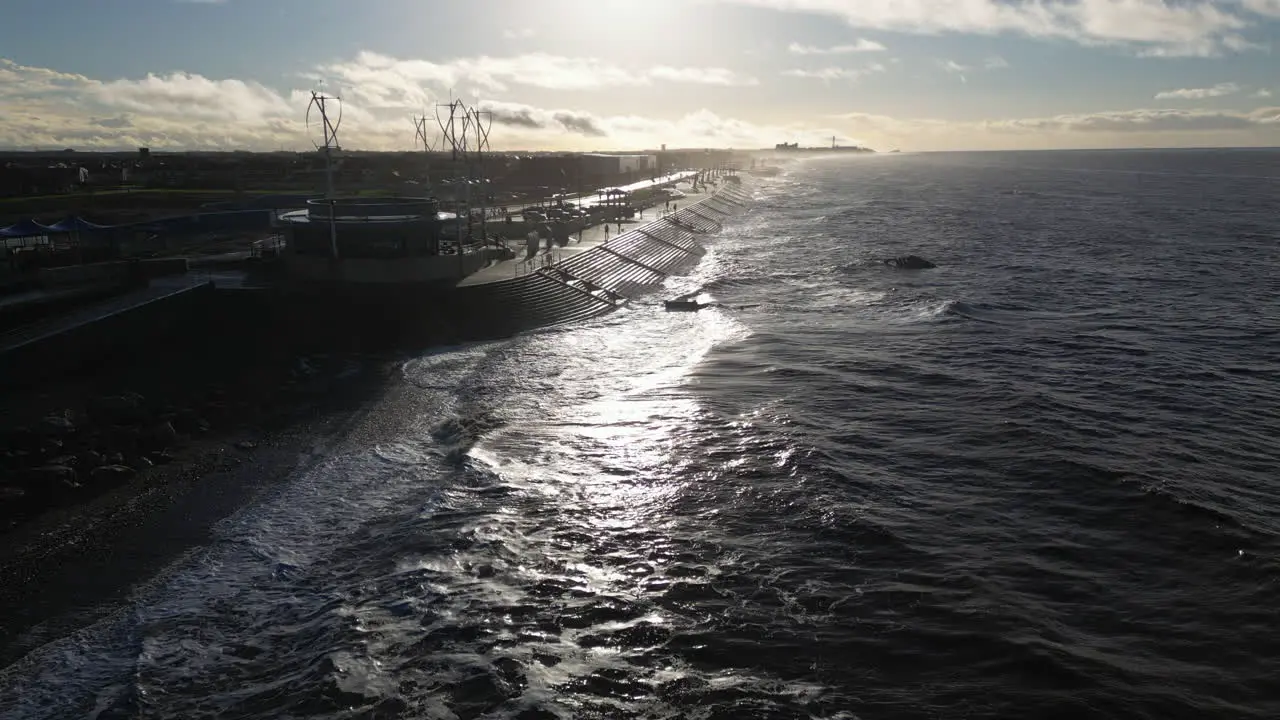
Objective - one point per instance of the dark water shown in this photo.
(1038, 481)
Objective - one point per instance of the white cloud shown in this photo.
(517, 33)
(52, 110)
(703, 76)
(1123, 128)
(382, 78)
(1128, 121)
(995, 62)
(955, 68)
(1148, 121)
(1158, 27)
(185, 111)
(829, 74)
(860, 45)
(1263, 7)
(1226, 88)
(1262, 93)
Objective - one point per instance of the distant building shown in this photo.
(608, 164)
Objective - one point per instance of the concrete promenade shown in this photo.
(588, 239)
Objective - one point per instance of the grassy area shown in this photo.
(141, 192)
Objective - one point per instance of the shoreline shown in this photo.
(71, 564)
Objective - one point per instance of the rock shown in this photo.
(162, 457)
(58, 424)
(67, 460)
(122, 409)
(11, 494)
(54, 481)
(49, 445)
(123, 437)
(51, 473)
(141, 463)
(909, 262)
(22, 438)
(112, 474)
(216, 409)
(114, 458)
(247, 445)
(187, 421)
(89, 459)
(160, 435)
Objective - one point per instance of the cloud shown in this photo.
(829, 74)
(995, 62)
(1262, 93)
(956, 69)
(517, 34)
(1226, 88)
(1154, 27)
(381, 79)
(703, 76)
(183, 111)
(188, 111)
(1263, 7)
(1147, 121)
(1120, 121)
(529, 117)
(860, 45)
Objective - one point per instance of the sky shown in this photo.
(624, 74)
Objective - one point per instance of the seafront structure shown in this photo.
(405, 269)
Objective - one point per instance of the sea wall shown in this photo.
(31, 356)
(598, 280)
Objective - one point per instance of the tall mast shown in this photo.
(328, 143)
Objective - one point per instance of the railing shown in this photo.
(267, 247)
(544, 259)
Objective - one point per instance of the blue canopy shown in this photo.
(25, 228)
(75, 224)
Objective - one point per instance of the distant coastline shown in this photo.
(795, 148)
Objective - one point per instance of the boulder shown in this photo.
(909, 262)
(189, 421)
(160, 435)
(51, 481)
(112, 474)
(124, 409)
(22, 438)
(58, 424)
(123, 438)
(10, 494)
(140, 463)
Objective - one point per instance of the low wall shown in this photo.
(157, 267)
(121, 336)
(91, 274)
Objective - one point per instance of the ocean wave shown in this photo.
(1034, 482)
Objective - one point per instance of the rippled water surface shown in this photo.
(1037, 481)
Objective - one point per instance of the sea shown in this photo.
(1036, 481)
